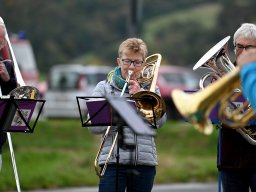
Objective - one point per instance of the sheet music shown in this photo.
(100, 111)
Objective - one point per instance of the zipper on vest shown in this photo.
(136, 150)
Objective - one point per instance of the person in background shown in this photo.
(131, 57)
(8, 81)
(236, 156)
(247, 63)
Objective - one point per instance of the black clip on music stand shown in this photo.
(15, 114)
(101, 113)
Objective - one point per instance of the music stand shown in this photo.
(16, 114)
(122, 113)
(129, 115)
(99, 111)
(125, 114)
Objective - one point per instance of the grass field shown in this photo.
(60, 153)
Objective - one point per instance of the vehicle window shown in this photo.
(175, 79)
(90, 78)
(70, 80)
(101, 77)
(64, 80)
(191, 81)
(93, 79)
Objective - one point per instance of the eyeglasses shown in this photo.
(246, 47)
(136, 63)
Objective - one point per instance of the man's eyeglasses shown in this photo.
(136, 63)
(242, 47)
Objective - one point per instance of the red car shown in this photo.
(175, 77)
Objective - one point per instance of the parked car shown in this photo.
(175, 77)
(65, 83)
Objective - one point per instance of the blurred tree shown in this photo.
(234, 13)
(61, 31)
(171, 42)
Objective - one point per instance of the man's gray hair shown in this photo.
(247, 30)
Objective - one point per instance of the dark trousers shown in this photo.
(238, 181)
(130, 178)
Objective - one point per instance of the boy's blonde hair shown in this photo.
(135, 45)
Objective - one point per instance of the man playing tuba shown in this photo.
(236, 156)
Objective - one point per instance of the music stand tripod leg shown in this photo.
(13, 162)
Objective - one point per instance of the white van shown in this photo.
(65, 83)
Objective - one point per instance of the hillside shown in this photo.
(182, 36)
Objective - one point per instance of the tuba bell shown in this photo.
(217, 61)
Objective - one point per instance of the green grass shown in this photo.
(60, 153)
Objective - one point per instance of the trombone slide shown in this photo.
(96, 167)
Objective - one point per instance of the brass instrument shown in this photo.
(25, 92)
(224, 90)
(151, 105)
(217, 60)
(96, 166)
(202, 102)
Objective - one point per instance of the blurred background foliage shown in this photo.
(89, 32)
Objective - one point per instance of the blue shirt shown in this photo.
(248, 83)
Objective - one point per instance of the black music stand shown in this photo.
(16, 114)
(125, 114)
(99, 111)
(119, 112)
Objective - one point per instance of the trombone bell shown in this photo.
(151, 106)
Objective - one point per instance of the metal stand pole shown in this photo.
(13, 162)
